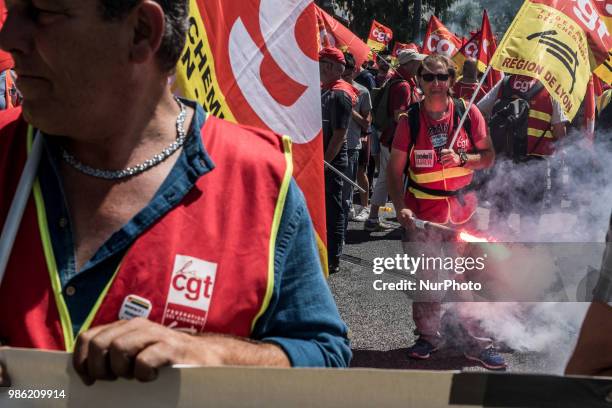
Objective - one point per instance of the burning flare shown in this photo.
(467, 237)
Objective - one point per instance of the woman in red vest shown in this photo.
(438, 177)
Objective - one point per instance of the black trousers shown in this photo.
(334, 213)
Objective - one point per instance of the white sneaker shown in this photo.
(351, 213)
(363, 215)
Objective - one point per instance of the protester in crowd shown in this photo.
(138, 262)
(365, 77)
(338, 98)
(359, 125)
(593, 352)
(403, 91)
(384, 70)
(438, 174)
(466, 86)
(533, 132)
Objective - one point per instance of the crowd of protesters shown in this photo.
(400, 120)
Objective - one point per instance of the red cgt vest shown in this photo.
(425, 170)
(207, 265)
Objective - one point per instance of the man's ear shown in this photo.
(148, 29)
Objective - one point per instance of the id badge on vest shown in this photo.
(190, 293)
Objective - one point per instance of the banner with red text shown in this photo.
(332, 33)
(379, 37)
(559, 42)
(438, 39)
(255, 62)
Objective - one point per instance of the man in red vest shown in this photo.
(521, 183)
(155, 234)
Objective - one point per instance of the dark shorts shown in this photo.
(364, 153)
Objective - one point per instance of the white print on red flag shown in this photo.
(255, 62)
(380, 36)
(334, 34)
(486, 49)
(398, 46)
(439, 39)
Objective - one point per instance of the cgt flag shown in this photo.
(332, 33)
(559, 42)
(468, 50)
(398, 46)
(486, 49)
(380, 36)
(255, 62)
(438, 39)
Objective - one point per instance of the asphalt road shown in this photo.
(381, 326)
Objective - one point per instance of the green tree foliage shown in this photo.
(461, 16)
(396, 14)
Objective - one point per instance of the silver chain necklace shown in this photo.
(139, 168)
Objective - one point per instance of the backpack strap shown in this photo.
(506, 87)
(414, 123)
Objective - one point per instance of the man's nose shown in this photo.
(16, 35)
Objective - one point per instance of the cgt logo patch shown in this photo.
(189, 295)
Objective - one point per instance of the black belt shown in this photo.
(441, 193)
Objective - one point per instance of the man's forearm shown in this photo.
(396, 190)
(481, 160)
(362, 120)
(240, 351)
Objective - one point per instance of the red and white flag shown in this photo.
(332, 33)
(255, 62)
(486, 49)
(380, 36)
(439, 39)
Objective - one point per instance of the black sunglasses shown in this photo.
(431, 77)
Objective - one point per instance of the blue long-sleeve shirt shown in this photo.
(302, 317)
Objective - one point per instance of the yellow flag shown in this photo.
(558, 42)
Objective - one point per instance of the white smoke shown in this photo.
(579, 215)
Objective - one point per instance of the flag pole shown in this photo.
(13, 219)
(348, 180)
(467, 110)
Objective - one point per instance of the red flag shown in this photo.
(468, 50)
(486, 49)
(380, 36)
(597, 86)
(334, 34)
(398, 46)
(256, 63)
(589, 111)
(438, 39)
